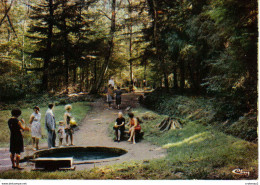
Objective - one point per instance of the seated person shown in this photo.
(134, 127)
(119, 126)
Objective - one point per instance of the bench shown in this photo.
(54, 163)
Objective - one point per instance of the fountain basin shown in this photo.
(82, 154)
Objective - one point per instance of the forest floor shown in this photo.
(94, 131)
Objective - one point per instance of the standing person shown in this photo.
(68, 129)
(36, 127)
(109, 96)
(119, 126)
(118, 97)
(111, 82)
(61, 132)
(50, 126)
(16, 138)
(134, 127)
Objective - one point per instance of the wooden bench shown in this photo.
(52, 164)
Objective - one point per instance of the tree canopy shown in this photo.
(206, 47)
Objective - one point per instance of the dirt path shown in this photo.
(94, 132)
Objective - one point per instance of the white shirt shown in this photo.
(111, 82)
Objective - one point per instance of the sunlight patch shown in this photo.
(193, 139)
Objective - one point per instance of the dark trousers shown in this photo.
(51, 139)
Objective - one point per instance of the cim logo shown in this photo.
(241, 172)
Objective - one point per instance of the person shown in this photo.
(111, 82)
(134, 127)
(119, 126)
(16, 138)
(144, 83)
(36, 130)
(109, 96)
(118, 97)
(68, 129)
(50, 126)
(61, 132)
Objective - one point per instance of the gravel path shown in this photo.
(94, 132)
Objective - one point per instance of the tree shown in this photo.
(42, 30)
(110, 47)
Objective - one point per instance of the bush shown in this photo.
(11, 88)
(16, 87)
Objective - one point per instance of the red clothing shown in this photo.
(132, 123)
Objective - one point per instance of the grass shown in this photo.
(79, 110)
(195, 152)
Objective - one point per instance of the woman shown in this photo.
(16, 138)
(36, 127)
(68, 129)
(134, 127)
(119, 126)
(118, 97)
(109, 95)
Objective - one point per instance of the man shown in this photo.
(50, 126)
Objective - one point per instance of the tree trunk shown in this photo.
(65, 49)
(182, 73)
(175, 78)
(6, 11)
(97, 85)
(45, 78)
(192, 78)
(87, 77)
(130, 44)
(159, 56)
(166, 82)
(75, 75)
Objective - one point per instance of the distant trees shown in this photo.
(60, 30)
(208, 46)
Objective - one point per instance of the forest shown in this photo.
(194, 61)
(61, 45)
(195, 47)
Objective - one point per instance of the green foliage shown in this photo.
(226, 115)
(16, 86)
(10, 88)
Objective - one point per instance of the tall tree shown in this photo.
(43, 16)
(110, 48)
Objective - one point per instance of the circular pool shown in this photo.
(81, 154)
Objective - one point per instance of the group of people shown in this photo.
(134, 127)
(110, 94)
(65, 130)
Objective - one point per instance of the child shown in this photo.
(61, 132)
(16, 138)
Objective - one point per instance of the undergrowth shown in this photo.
(207, 111)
